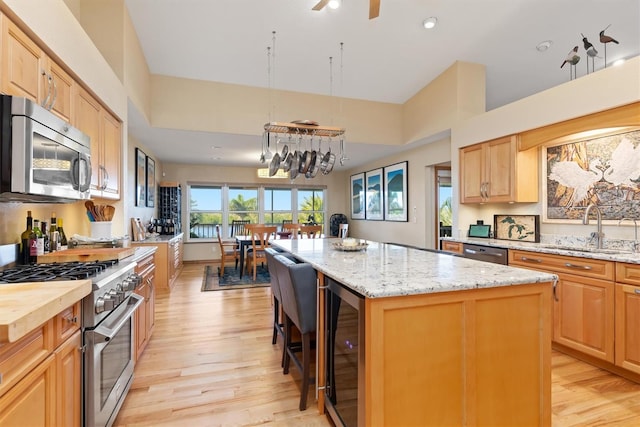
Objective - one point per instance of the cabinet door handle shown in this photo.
(527, 259)
(581, 267)
(55, 94)
(48, 78)
(555, 285)
(105, 180)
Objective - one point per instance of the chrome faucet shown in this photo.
(636, 245)
(599, 235)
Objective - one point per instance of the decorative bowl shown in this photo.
(350, 248)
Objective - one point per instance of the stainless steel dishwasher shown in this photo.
(485, 253)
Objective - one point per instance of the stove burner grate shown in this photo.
(74, 270)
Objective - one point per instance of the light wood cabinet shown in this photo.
(168, 259)
(144, 318)
(456, 360)
(28, 72)
(495, 171)
(449, 246)
(584, 300)
(106, 145)
(627, 339)
(42, 375)
(69, 381)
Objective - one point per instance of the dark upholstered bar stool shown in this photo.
(277, 296)
(299, 289)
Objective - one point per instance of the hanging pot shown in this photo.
(286, 165)
(305, 162)
(326, 165)
(295, 160)
(275, 164)
(314, 166)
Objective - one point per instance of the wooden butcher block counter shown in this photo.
(86, 255)
(25, 306)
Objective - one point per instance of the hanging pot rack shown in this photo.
(303, 129)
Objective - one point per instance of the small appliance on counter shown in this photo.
(479, 229)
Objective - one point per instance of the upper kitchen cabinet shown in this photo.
(495, 171)
(105, 132)
(27, 71)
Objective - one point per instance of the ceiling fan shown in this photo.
(374, 7)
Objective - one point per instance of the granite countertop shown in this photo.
(386, 270)
(25, 306)
(556, 248)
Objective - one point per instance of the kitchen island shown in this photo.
(447, 340)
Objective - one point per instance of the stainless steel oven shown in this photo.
(108, 339)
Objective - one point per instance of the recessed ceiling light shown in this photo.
(334, 4)
(618, 62)
(542, 46)
(430, 22)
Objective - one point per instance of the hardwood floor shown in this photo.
(210, 363)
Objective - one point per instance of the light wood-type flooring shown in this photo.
(210, 363)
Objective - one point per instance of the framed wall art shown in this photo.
(522, 228)
(141, 177)
(373, 195)
(357, 196)
(604, 171)
(395, 192)
(151, 182)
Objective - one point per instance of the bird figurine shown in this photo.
(605, 39)
(591, 52)
(572, 59)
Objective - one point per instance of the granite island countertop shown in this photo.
(386, 270)
(556, 248)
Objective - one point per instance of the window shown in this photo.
(205, 211)
(277, 205)
(210, 205)
(311, 206)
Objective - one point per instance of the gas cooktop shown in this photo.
(55, 271)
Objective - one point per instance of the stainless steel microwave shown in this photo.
(43, 158)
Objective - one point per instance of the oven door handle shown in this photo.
(106, 333)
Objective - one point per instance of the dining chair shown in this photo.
(260, 241)
(291, 228)
(311, 231)
(343, 230)
(238, 227)
(228, 250)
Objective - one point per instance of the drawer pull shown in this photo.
(582, 267)
(527, 259)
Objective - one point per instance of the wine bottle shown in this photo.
(54, 236)
(25, 248)
(45, 235)
(63, 237)
(39, 237)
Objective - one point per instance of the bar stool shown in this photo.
(299, 289)
(277, 296)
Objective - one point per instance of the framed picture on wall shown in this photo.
(373, 195)
(141, 178)
(357, 196)
(151, 182)
(395, 192)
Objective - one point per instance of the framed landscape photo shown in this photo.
(357, 196)
(373, 195)
(141, 177)
(151, 182)
(395, 192)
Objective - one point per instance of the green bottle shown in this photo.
(63, 237)
(25, 242)
(39, 237)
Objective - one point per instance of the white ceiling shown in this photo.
(386, 59)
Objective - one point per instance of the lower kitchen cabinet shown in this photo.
(42, 375)
(449, 246)
(144, 318)
(628, 316)
(168, 259)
